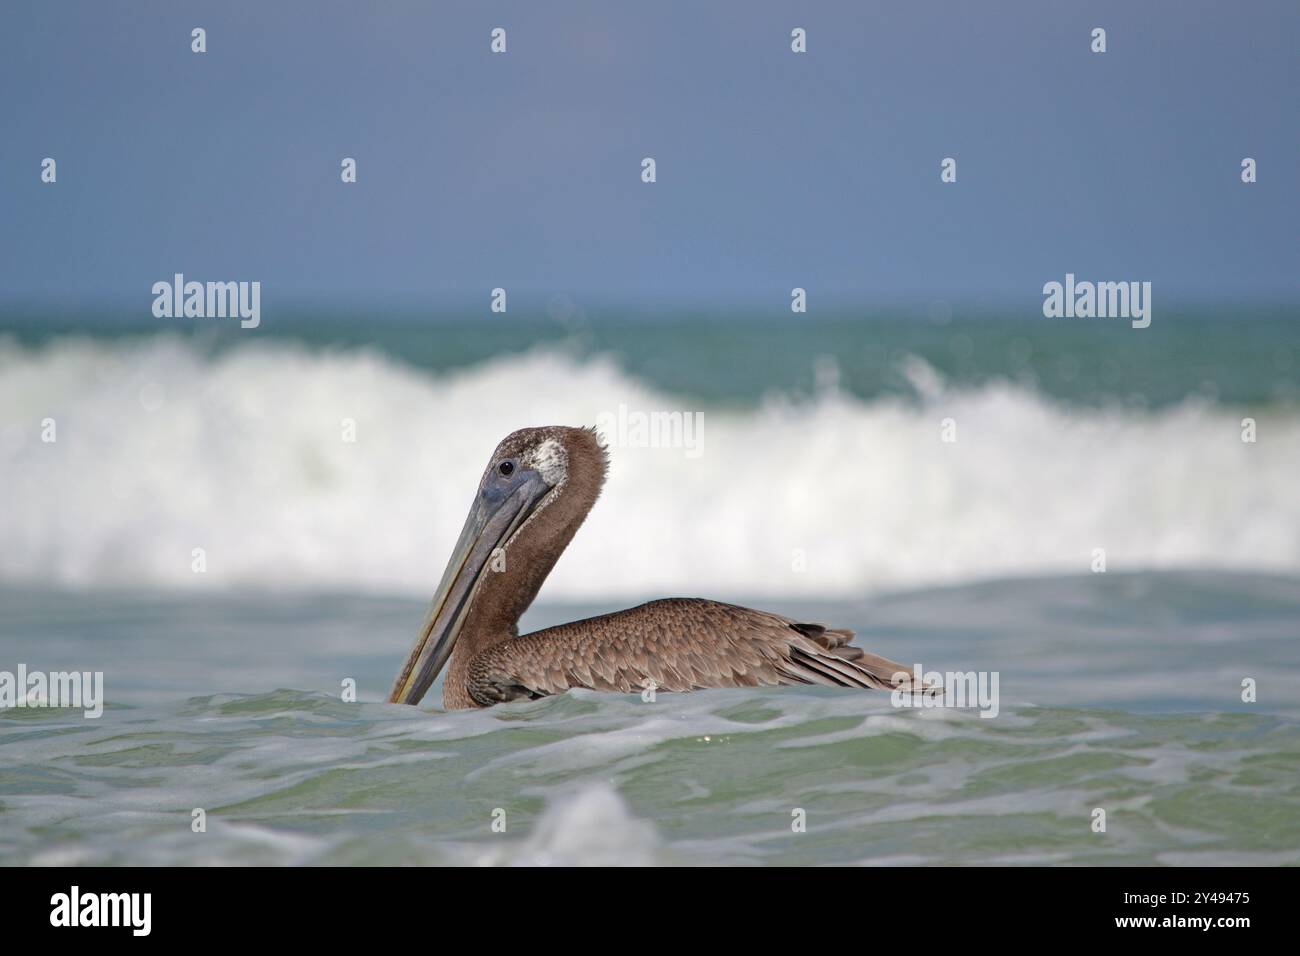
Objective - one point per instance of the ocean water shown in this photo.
(821, 489)
(1119, 692)
(831, 448)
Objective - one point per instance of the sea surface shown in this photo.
(201, 530)
(1117, 692)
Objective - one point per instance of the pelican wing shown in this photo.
(677, 644)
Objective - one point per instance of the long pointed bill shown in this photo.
(491, 522)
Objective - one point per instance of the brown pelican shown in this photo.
(536, 491)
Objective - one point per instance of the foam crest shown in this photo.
(163, 448)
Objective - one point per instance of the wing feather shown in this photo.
(677, 644)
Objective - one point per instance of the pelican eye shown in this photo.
(507, 468)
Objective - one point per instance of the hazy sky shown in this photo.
(775, 169)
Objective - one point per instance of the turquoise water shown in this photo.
(1118, 692)
(1243, 356)
(889, 453)
(200, 530)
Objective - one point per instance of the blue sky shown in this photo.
(522, 170)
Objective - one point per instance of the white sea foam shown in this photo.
(162, 449)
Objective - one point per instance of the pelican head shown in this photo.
(534, 493)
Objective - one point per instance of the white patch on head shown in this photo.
(551, 460)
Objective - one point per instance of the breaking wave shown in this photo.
(162, 448)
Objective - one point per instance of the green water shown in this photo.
(1153, 732)
(295, 777)
(1236, 356)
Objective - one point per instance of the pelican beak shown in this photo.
(496, 515)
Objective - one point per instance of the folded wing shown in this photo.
(677, 644)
